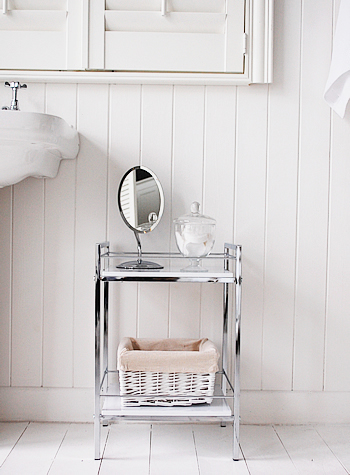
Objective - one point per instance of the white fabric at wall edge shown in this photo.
(337, 91)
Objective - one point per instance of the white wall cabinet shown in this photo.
(201, 40)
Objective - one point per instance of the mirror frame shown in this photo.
(161, 196)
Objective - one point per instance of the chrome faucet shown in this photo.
(14, 85)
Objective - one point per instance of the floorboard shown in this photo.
(308, 451)
(127, 450)
(76, 453)
(173, 449)
(10, 432)
(337, 438)
(36, 450)
(264, 452)
(214, 447)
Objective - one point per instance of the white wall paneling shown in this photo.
(27, 262)
(5, 284)
(156, 154)
(312, 223)
(27, 305)
(337, 376)
(59, 241)
(90, 219)
(188, 154)
(282, 170)
(338, 304)
(218, 191)
(269, 162)
(124, 143)
(250, 206)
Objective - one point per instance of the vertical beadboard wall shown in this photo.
(270, 163)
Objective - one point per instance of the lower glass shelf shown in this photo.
(220, 407)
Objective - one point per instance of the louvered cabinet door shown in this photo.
(40, 34)
(168, 35)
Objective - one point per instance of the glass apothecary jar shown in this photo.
(195, 236)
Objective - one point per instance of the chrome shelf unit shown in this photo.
(224, 268)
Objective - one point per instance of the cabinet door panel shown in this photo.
(18, 54)
(37, 20)
(174, 22)
(192, 36)
(36, 4)
(164, 52)
(42, 34)
(172, 5)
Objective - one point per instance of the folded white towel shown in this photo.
(337, 92)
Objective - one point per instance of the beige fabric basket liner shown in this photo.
(171, 355)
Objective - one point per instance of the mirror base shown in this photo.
(139, 265)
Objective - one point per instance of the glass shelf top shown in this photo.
(217, 267)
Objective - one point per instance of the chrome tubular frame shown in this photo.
(237, 384)
(97, 425)
(102, 280)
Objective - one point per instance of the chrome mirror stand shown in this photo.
(139, 264)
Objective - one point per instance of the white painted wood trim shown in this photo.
(258, 407)
(295, 407)
(43, 404)
(260, 41)
(96, 34)
(85, 35)
(108, 77)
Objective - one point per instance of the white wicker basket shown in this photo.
(169, 385)
(180, 384)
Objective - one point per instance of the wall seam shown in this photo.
(11, 285)
(171, 194)
(297, 210)
(231, 322)
(140, 163)
(43, 264)
(204, 161)
(234, 231)
(108, 153)
(330, 151)
(267, 162)
(75, 238)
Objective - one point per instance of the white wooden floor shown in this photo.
(63, 449)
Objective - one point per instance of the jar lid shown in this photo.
(195, 217)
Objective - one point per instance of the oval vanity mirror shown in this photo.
(141, 205)
(140, 199)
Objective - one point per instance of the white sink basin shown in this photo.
(33, 144)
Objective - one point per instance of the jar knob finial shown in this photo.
(195, 207)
